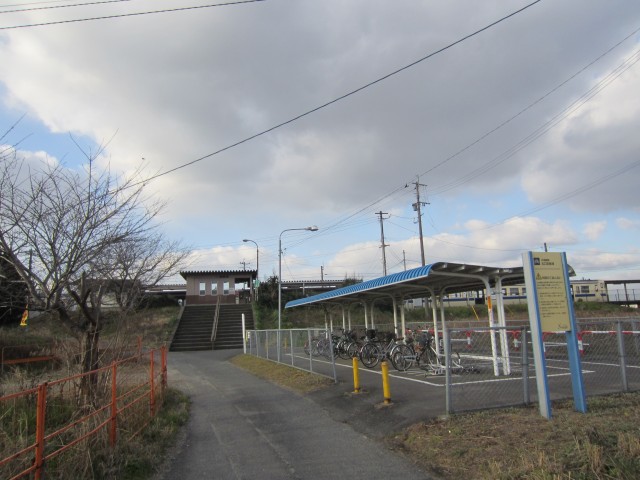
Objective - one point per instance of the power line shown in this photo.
(544, 128)
(346, 95)
(534, 103)
(85, 4)
(135, 14)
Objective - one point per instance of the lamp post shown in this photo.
(257, 259)
(310, 229)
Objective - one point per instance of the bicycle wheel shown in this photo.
(353, 350)
(370, 355)
(323, 348)
(343, 351)
(432, 359)
(402, 357)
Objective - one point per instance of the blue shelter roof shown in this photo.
(436, 278)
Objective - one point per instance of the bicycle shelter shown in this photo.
(434, 281)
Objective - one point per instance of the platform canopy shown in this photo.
(435, 279)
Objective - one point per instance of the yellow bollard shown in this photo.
(385, 382)
(356, 376)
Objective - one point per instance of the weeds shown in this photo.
(518, 443)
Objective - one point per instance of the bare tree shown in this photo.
(72, 235)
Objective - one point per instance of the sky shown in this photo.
(519, 120)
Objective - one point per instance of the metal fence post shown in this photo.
(447, 358)
(291, 345)
(310, 351)
(266, 343)
(525, 365)
(333, 357)
(622, 356)
(41, 405)
(114, 406)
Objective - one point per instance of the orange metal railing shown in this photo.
(46, 421)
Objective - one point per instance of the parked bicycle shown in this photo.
(374, 351)
(428, 359)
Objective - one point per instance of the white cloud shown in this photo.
(224, 74)
(594, 230)
(628, 224)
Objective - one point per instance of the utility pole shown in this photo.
(322, 273)
(418, 208)
(384, 256)
(404, 260)
(244, 265)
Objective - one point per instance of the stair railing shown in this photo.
(216, 316)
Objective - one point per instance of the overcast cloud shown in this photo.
(167, 89)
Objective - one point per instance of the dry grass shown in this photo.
(283, 375)
(519, 443)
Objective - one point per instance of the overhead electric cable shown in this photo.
(544, 128)
(84, 4)
(534, 103)
(346, 95)
(135, 14)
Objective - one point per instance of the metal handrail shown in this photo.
(216, 316)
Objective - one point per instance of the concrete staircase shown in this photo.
(229, 333)
(194, 330)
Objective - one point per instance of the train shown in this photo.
(582, 291)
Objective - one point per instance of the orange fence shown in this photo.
(41, 426)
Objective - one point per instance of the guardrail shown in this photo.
(42, 424)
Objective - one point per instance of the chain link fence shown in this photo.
(306, 349)
(482, 367)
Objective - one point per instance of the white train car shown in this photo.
(581, 290)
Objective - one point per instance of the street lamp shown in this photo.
(310, 229)
(257, 260)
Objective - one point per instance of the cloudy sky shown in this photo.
(259, 117)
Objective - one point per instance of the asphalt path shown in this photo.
(242, 427)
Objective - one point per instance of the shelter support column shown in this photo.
(435, 323)
(373, 321)
(395, 316)
(492, 333)
(502, 321)
(366, 315)
(344, 318)
(402, 318)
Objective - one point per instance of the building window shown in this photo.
(214, 288)
(203, 287)
(584, 288)
(225, 288)
(514, 291)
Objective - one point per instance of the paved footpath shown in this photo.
(243, 427)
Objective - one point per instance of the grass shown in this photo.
(514, 443)
(139, 460)
(134, 458)
(283, 375)
(518, 443)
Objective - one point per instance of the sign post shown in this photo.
(551, 310)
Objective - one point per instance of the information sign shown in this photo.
(551, 289)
